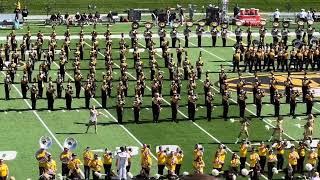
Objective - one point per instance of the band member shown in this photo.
(308, 131)
(50, 95)
(312, 157)
(77, 82)
(65, 158)
(93, 119)
(198, 165)
(7, 86)
(146, 161)
(107, 163)
(40, 78)
(309, 101)
(262, 151)
(186, 34)
(284, 34)
(275, 33)
(96, 166)
(137, 108)
(161, 158)
(278, 130)
(236, 60)
(104, 93)
(277, 97)
(302, 153)
(299, 32)
(243, 129)
(271, 163)
(42, 157)
(238, 33)
(156, 106)
(225, 102)
(74, 167)
(179, 155)
(293, 102)
(199, 65)
(68, 95)
(51, 166)
(199, 31)
(214, 33)
(272, 88)
(235, 162)
(171, 163)
(87, 157)
(162, 35)
(243, 153)
(262, 32)
(224, 33)
(173, 35)
(293, 159)
(174, 105)
(122, 163)
(242, 102)
(192, 103)
(209, 104)
(254, 160)
(59, 82)
(34, 96)
(147, 36)
(310, 32)
(120, 104)
(24, 86)
(258, 103)
(280, 147)
(87, 93)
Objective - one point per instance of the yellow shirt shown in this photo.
(74, 164)
(302, 151)
(243, 150)
(312, 159)
(107, 159)
(272, 158)
(217, 164)
(254, 158)
(197, 153)
(235, 162)
(222, 156)
(293, 158)
(171, 163)
(4, 170)
(41, 155)
(65, 155)
(52, 165)
(263, 151)
(96, 165)
(198, 166)
(179, 157)
(145, 158)
(87, 157)
(161, 156)
(280, 149)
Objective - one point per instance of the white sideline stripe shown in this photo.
(39, 118)
(114, 119)
(236, 101)
(215, 139)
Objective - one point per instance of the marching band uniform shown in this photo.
(7, 86)
(33, 96)
(309, 102)
(293, 103)
(242, 102)
(104, 94)
(173, 35)
(192, 106)
(24, 86)
(249, 36)
(258, 101)
(224, 33)
(284, 35)
(137, 108)
(209, 105)
(225, 102)
(199, 31)
(174, 106)
(87, 157)
(310, 32)
(120, 103)
(186, 33)
(156, 102)
(238, 33)
(68, 96)
(50, 96)
(277, 97)
(59, 82)
(214, 33)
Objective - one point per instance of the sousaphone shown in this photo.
(70, 143)
(214, 24)
(135, 25)
(148, 25)
(45, 142)
(275, 24)
(314, 40)
(263, 22)
(285, 24)
(238, 23)
(296, 43)
(224, 25)
(176, 25)
(189, 24)
(300, 23)
(201, 23)
(310, 22)
(162, 24)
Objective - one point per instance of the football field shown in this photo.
(22, 127)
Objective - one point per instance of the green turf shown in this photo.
(24, 129)
(103, 6)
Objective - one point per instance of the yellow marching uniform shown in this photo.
(4, 171)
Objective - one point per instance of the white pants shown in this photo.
(122, 172)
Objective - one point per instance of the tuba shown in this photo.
(214, 24)
(176, 25)
(224, 25)
(285, 24)
(314, 40)
(275, 24)
(201, 23)
(189, 24)
(300, 24)
(162, 24)
(297, 43)
(70, 143)
(310, 22)
(45, 142)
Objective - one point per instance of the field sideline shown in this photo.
(60, 123)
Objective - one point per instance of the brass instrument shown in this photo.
(275, 24)
(201, 23)
(135, 25)
(296, 43)
(285, 24)
(45, 142)
(300, 24)
(189, 24)
(214, 24)
(70, 143)
(224, 25)
(162, 24)
(176, 25)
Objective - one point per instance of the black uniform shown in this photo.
(174, 106)
(173, 35)
(120, 104)
(225, 103)
(87, 95)
(136, 108)
(277, 104)
(104, 94)
(7, 86)
(59, 82)
(156, 102)
(186, 33)
(24, 86)
(50, 97)
(192, 106)
(258, 102)
(242, 103)
(293, 103)
(209, 105)
(68, 96)
(309, 102)
(77, 84)
(33, 96)
(214, 33)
